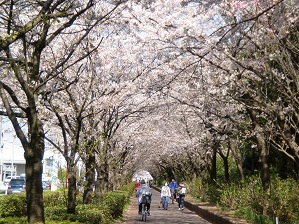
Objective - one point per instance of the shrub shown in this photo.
(284, 200)
(13, 205)
(54, 198)
(197, 190)
(14, 220)
(111, 206)
(249, 199)
(115, 201)
(84, 214)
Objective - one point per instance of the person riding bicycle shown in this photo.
(173, 185)
(144, 195)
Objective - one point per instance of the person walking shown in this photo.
(165, 194)
(137, 184)
(173, 185)
(182, 194)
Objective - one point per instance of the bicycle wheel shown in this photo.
(143, 213)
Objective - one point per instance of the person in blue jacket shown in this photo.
(173, 185)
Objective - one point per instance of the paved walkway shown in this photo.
(161, 216)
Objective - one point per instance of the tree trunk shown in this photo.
(102, 178)
(263, 159)
(226, 169)
(71, 206)
(225, 164)
(213, 170)
(34, 169)
(232, 143)
(102, 169)
(90, 178)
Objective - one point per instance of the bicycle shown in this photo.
(144, 212)
(144, 207)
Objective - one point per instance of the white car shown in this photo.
(8, 178)
(3, 188)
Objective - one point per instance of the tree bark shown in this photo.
(34, 169)
(263, 158)
(33, 154)
(232, 143)
(90, 177)
(213, 169)
(72, 186)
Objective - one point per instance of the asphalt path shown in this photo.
(159, 215)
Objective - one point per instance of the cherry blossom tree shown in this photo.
(31, 57)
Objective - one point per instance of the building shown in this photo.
(12, 161)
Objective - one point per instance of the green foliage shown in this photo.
(249, 199)
(109, 208)
(61, 174)
(13, 205)
(86, 214)
(241, 195)
(115, 201)
(129, 188)
(56, 213)
(284, 199)
(14, 220)
(54, 198)
(213, 192)
(197, 189)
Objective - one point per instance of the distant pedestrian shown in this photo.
(182, 194)
(137, 184)
(173, 185)
(165, 194)
(150, 183)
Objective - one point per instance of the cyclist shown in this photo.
(173, 185)
(143, 189)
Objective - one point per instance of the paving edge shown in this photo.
(205, 213)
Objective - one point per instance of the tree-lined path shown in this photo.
(161, 216)
(205, 92)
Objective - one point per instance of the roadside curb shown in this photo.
(208, 215)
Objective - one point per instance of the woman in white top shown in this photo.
(165, 194)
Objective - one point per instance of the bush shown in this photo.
(14, 220)
(13, 205)
(284, 200)
(54, 198)
(111, 206)
(197, 190)
(84, 214)
(249, 199)
(115, 201)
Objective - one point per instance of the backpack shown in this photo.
(182, 191)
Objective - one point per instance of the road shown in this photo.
(161, 216)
